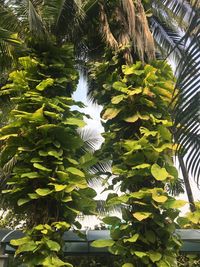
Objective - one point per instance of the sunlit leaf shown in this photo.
(101, 243)
(159, 173)
(140, 216)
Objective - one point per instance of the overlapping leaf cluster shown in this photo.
(48, 181)
(136, 102)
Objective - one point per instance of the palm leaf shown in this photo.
(168, 40)
(8, 41)
(176, 187)
(9, 20)
(36, 25)
(92, 138)
(62, 17)
(179, 10)
(187, 111)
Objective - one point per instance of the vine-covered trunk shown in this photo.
(136, 101)
(48, 181)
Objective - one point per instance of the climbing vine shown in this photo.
(136, 100)
(47, 178)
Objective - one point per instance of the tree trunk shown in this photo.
(187, 184)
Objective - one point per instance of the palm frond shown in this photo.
(7, 42)
(179, 10)
(24, 17)
(176, 187)
(103, 210)
(167, 39)
(9, 20)
(62, 17)
(92, 138)
(6, 172)
(36, 25)
(187, 108)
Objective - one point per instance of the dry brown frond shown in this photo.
(124, 36)
(105, 28)
(129, 11)
(144, 39)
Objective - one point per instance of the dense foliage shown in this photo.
(47, 182)
(136, 102)
(43, 158)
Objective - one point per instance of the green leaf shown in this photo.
(118, 200)
(117, 99)
(20, 241)
(59, 187)
(62, 175)
(66, 199)
(160, 199)
(182, 221)
(165, 133)
(140, 216)
(131, 145)
(150, 236)
(110, 113)
(132, 239)
(43, 191)
(52, 115)
(38, 115)
(141, 166)
(120, 86)
(30, 175)
(44, 84)
(174, 203)
(128, 265)
(136, 117)
(140, 254)
(73, 161)
(112, 220)
(128, 70)
(23, 201)
(28, 247)
(8, 136)
(132, 119)
(101, 243)
(172, 171)
(47, 127)
(163, 147)
(55, 154)
(163, 263)
(75, 121)
(33, 196)
(52, 245)
(135, 91)
(78, 182)
(75, 171)
(155, 256)
(61, 225)
(147, 133)
(35, 160)
(58, 263)
(40, 167)
(160, 174)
